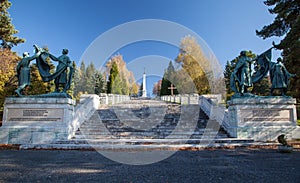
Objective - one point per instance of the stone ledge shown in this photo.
(38, 100)
(262, 100)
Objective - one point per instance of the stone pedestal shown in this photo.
(29, 120)
(262, 118)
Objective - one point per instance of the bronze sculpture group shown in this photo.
(62, 76)
(242, 77)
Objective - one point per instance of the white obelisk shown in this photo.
(144, 85)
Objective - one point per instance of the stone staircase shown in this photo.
(145, 124)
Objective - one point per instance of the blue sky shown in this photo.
(227, 26)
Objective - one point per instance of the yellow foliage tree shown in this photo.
(194, 62)
(8, 79)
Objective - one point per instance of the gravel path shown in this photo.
(239, 165)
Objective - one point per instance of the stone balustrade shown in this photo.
(184, 99)
(87, 105)
(210, 105)
(110, 99)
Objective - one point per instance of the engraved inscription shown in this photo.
(265, 113)
(266, 119)
(35, 112)
(50, 114)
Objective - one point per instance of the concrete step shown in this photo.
(154, 141)
(154, 131)
(92, 129)
(146, 146)
(176, 136)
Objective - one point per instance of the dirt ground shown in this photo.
(231, 165)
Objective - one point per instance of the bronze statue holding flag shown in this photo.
(242, 76)
(62, 75)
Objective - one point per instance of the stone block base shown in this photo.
(30, 120)
(263, 118)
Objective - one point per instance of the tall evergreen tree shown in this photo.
(88, 80)
(76, 81)
(7, 29)
(168, 80)
(79, 80)
(164, 87)
(99, 83)
(140, 90)
(229, 67)
(125, 81)
(90, 75)
(82, 75)
(112, 77)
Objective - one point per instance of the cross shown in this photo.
(172, 88)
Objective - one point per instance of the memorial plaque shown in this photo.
(266, 115)
(46, 114)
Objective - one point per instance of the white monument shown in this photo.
(144, 85)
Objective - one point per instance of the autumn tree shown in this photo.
(7, 29)
(8, 59)
(157, 88)
(287, 25)
(134, 90)
(194, 62)
(124, 81)
(8, 79)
